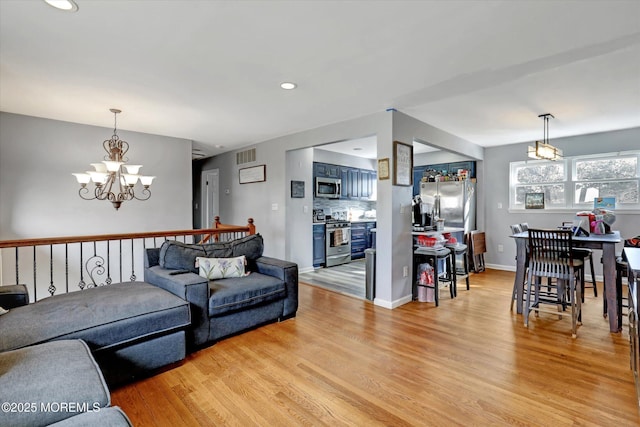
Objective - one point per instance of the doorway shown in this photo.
(210, 196)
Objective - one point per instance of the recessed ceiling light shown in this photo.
(288, 85)
(66, 5)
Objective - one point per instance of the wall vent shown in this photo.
(246, 156)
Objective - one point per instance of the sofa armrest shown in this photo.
(190, 287)
(287, 272)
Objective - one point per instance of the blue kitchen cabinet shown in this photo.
(358, 239)
(326, 170)
(318, 245)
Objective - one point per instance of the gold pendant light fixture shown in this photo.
(543, 150)
(109, 178)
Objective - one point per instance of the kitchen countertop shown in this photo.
(431, 232)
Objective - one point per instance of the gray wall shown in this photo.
(496, 183)
(288, 229)
(39, 196)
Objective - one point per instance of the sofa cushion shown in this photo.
(105, 316)
(233, 294)
(49, 375)
(250, 246)
(107, 417)
(182, 256)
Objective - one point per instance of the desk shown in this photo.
(604, 242)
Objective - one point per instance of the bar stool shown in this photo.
(433, 256)
(458, 250)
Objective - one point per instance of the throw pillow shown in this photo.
(179, 256)
(3, 311)
(221, 268)
(250, 246)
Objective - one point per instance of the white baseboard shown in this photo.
(392, 304)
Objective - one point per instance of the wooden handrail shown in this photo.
(127, 236)
(250, 228)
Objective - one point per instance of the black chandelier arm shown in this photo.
(84, 190)
(146, 193)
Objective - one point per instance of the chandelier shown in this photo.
(110, 181)
(543, 150)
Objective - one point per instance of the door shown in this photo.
(210, 196)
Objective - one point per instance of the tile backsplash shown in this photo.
(354, 205)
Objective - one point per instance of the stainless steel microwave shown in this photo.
(328, 188)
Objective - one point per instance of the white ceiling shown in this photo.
(210, 70)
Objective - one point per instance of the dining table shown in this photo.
(605, 242)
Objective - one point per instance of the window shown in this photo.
(574, 182)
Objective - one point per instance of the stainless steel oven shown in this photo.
(338, 243)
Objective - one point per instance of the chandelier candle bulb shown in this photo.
(109, 179)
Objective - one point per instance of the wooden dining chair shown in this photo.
(551, 256)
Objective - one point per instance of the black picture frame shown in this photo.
(297, 189)
(252, 174)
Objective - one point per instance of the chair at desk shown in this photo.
(551, 256)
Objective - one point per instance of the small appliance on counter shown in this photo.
(318, 215)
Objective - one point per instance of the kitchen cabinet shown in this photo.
(357, 184)
(361, 238)
(358, 239)
(326, 170)
(318, 245)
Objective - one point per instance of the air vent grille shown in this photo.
(246, 156)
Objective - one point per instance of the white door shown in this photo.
(210, 196)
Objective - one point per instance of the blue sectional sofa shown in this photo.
(225, 306)
(131, 328)
(55, 383)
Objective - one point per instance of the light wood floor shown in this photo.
(344, 361)
(347, 279)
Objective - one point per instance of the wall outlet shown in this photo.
(274, 206)
(500, 248)
(405, 271)
(499, 205)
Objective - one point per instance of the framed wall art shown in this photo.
(383, 168)
(402, 164)
(253, 174)
(297, 189)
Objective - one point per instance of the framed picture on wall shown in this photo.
(297, 189)
(402, 164)
(383, 168)
(252, 174)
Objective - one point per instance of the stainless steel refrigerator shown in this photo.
(455, 201)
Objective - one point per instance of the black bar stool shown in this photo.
(433, 257)
(458, 250)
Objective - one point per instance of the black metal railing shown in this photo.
(55, 265)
